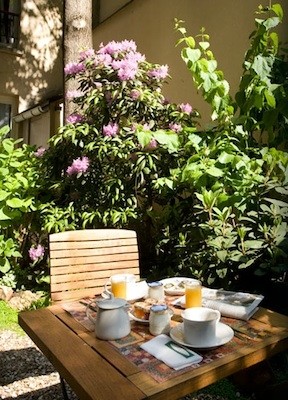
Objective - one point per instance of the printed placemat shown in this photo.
(245, 334)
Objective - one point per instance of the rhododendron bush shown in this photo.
(107, 166)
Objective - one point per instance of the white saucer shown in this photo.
(142, 321)
(223, 335)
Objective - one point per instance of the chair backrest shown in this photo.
(82, 261)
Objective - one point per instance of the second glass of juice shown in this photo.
(193, 294)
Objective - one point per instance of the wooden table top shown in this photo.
(96, 370)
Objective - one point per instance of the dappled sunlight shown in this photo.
(41, 41)
(43, 27)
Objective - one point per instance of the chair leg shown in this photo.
(64, 391)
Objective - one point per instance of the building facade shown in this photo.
(31, 67)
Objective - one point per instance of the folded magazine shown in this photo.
(238, 305)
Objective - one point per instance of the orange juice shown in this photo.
(118, 288)
(193, 294)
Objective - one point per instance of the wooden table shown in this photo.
(96, 370)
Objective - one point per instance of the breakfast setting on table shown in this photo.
(175, 321)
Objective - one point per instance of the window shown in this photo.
(9, 22)
(103, 9)
(8, 108)
(5, 114)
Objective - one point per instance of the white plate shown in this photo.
(175, 290)
(142, 321)
(180, 302)
(223, 335)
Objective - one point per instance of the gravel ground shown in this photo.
(26, 374)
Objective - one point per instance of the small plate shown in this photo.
(173, 286)
(223, 335)
(142, 321)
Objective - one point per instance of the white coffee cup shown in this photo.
(129, 281)
(199, 325)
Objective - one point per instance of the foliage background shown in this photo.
(209, 203)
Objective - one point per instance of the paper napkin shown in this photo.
(175, 356)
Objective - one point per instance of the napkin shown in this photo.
(175, 356)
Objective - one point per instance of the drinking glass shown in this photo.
(119, 286)
(193, 294)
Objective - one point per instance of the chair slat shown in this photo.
(111, 267)
(72, 252)
(86, 244)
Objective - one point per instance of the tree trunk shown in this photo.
(77, 36)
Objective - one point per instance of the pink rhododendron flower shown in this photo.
(126, 73)
(152, 145)
(113, 48)
(126, 68)
(186, 108)
(74, 118)
(148, 126)
(135, 94)
(78, 165)
(36, 252)
(98, 85)
(89, 53)
(103, 60)
(74, 68)
(40, 151)
(73, 94)
(111, 129)
(160, 72)
(175, 127)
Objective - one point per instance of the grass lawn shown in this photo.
(9, 318)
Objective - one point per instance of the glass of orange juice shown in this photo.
(193, 294)
(119, 286)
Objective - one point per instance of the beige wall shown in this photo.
(151, 24)
(33, 73)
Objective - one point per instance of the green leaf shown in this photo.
(271, 22)
(190, 42)
(262, 65)
(167, 139)
(15, 203)
(4, 216)
(3, 195)
(270, 98)
(5, 267)
(222, 255)
(225, 158)
(277, 202)
(214, 171)
(144, 138)
(253, 244)
(8, 145)
(192, 55)
(204, 45)
(278, 10)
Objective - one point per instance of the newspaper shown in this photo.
(238, 305)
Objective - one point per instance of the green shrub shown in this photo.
(19, 223)
(234, 215)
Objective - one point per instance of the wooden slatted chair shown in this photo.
(81, 261)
